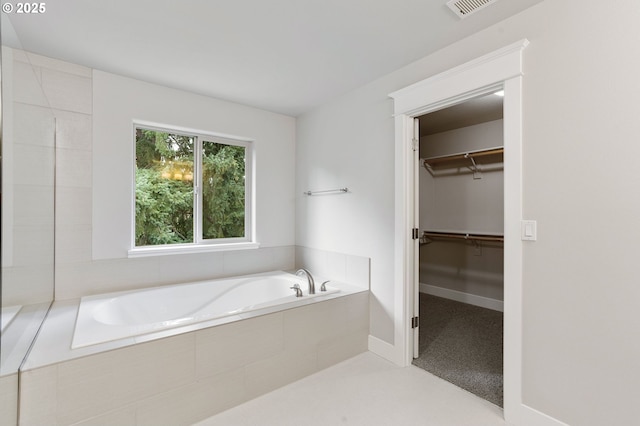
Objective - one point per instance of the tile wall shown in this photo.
(9, 399)
(28, 183)
(189, 377)
(348, 268)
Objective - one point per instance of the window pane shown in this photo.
(223, 190)
(164, 188)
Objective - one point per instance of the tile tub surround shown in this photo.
(188, 377)
(348, 268)
(8, 399)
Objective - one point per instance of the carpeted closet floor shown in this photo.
(462, 344)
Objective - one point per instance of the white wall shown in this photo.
(452, 200)
(349, 143)
(580, 136)
(95, 184)
(118, 101)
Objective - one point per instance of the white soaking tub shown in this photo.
(113, 316)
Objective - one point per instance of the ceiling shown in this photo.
(473, 111)
(286, 56)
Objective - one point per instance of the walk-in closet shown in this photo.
(461, 279)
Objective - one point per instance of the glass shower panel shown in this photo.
(27, 205)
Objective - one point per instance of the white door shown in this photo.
(416, 241)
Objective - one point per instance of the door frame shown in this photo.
(501, 69)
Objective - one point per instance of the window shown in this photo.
(191, 189)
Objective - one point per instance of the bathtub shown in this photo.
(112, 316)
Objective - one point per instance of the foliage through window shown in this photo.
(190, 188)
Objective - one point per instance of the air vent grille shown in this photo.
(464, 8)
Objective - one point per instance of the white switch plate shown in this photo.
(529, 229)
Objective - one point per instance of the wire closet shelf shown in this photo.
(428, 236)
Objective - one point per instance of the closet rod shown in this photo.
(327, 191)
(464, 155)
(463, 236)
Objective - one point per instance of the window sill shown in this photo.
(189, 248)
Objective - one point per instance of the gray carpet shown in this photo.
(462, 344)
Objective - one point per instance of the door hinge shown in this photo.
(414, 322)
(415, 234)
(415, 144)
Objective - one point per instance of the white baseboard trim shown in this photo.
(532, 417)
(384, 350)
(472, 299)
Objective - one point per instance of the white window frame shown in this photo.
(200, 244)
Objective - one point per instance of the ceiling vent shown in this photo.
(464, 8)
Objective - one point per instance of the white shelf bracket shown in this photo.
(477, 173)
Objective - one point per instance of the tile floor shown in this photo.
(364, 390)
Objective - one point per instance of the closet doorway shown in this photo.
(499, 69)
(460, 210)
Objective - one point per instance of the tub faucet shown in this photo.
(312, 285)
(296, 288)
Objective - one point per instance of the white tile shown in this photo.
(146, 369)
(239, 262)
(333, 351)
(104, 276)
(283, 258)
(123, 417)
(358, 309)
(192, 267)
(71, 280)
(27, 86)
(73, 206)
(192, 403)
(25, 285)
(312, 259)
(86, 387)
(9, 399)
(234, 345)
(73, 243)
(33, 165)
(336, 266)
(364, 391)
(124, 274)
(73, 130)
(33, 125)
(33, 204)
(73, 168)
(66, 91)
(276, 371)
(33, 245)
(38, 396)
(310, 325)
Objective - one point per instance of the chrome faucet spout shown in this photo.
(312, 285)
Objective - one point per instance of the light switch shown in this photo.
(529, 230)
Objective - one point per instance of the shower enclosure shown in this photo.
(27, 206)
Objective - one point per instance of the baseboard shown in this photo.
(471, 299)
(384, 350)
(532, 417)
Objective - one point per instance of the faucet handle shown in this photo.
(323, 287)
(297, 289)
